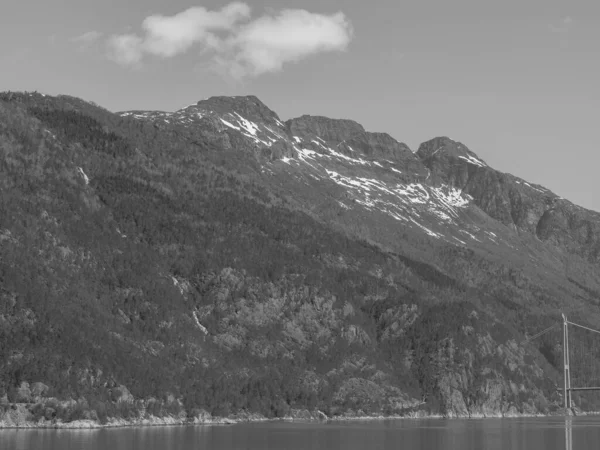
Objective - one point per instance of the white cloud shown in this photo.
(126, 49)
(235, 43)
(169, 36)
(268, 42)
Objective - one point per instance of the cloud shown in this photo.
(234, 42)
(268, 43)
(86, 39)
(169, 36)
(565, 24)
(126, 49)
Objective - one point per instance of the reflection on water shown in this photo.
(429, 434)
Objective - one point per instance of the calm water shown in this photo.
(509, 434)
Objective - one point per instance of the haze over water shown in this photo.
(476, 434)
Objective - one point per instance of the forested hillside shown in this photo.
(159, 267)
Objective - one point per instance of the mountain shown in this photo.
(217, 261)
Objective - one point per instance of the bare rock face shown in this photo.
(278, 150)
(513, 201)
(467, 386)
(39, 390)
(356, 334)
(332, 131)
(451, 392)
(380, 146)
(121, 394)
(573, 228)
(493, 393)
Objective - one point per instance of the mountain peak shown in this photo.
(248, 106)
(445, 147)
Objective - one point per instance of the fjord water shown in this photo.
(428, 434)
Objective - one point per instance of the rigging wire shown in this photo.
(585, 328)
(541, 333)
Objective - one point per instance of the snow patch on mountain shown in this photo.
(459, 240)
(275, 133)
(347, 181)
(472, 236)
(360, 161)
(427, 230)
(230, 125)
(437, 150)
(247, 125)
(445, 198)
(418, 205)
(306, 154)
(408, 203)
(451, 197)
(472, 160)
(492, 236)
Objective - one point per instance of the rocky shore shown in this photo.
(19, 417)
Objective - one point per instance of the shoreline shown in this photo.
(201, 421)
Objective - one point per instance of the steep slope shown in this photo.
(514, 202)
(372, 169)
(374, 186)
(216, 260)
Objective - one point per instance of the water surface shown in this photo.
(428, 434)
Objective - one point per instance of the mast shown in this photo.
(567, 369)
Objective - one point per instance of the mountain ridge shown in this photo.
(515, 209)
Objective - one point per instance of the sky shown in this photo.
(516, 81)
